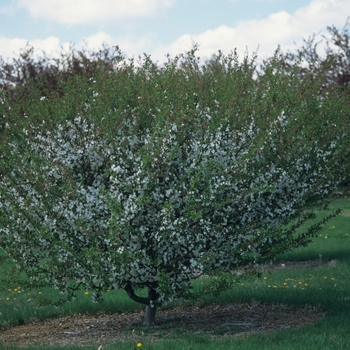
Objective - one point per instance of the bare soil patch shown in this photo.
(299, 264)
(213, 320)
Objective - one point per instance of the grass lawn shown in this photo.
(293, 289)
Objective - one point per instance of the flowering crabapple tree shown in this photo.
(156, 208)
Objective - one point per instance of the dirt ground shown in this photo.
(212, 320)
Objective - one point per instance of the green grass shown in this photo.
(333, 240)
(19, 306)
(326, 287)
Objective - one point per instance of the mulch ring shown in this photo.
(212, 320)
(298, 264)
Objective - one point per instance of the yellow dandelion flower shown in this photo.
(7, 299)
(139, 345)
(305, 284)
(40, 292)
(86, 293)
(265, 278)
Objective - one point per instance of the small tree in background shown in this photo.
(208, 169)
(335, 61)
(337, 48)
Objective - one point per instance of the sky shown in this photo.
(161, 27)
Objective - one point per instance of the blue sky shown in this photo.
(158, 27)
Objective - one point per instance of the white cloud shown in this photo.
(131, 45)
(11, 48)
(270, 0)
(92, 11)
(280, 28)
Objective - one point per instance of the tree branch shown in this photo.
(129, 290)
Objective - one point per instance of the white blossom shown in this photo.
(105, 214)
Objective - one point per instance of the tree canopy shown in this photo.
(161, 174)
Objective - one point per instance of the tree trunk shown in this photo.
(150, 315)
